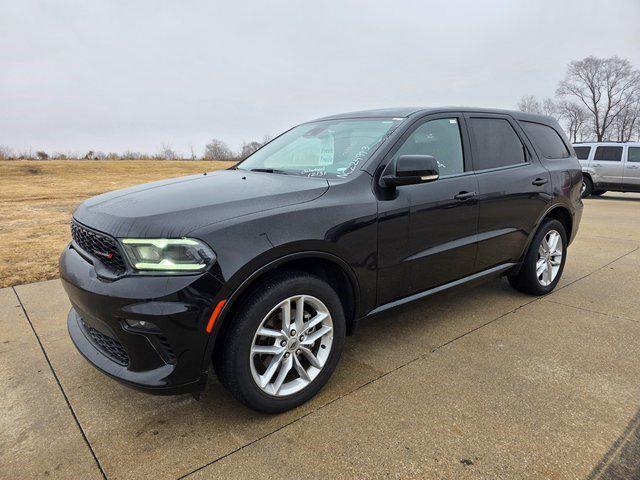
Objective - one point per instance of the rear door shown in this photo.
(608, 168)
(514, 188)
(631, 179)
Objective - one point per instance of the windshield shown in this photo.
(330, 148)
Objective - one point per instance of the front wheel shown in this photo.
(544, 262)
(284, 344)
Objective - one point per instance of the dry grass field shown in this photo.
(37, 199)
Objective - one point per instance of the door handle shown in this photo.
(465, 195)
(632, 167)
(539, 181)
(597, 165)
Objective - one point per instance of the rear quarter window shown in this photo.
(582, 152)
(546, 139)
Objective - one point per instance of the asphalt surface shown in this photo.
(475, 383)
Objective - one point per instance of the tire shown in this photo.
(240, 368)
(528, 280)
(587, 186)
(598, 192)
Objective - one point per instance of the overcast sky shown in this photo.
(116, 75)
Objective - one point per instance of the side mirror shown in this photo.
(410, 170)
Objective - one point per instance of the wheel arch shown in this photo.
(587, 174)
(563, 215)
(559, 212)
(329, 267)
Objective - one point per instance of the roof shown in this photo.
(402, 112)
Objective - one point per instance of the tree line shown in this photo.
(598, 99)
(216, 150)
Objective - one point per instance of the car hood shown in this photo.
(173, 208)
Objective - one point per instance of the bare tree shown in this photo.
(248, 148)
(5, 153)
(42, 155)
(549, 107)
(217, 150)
(605, 86)
(627, 122)
(574, 117)
(166, 153)
(530, 104)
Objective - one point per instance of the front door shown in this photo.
(427, 232)
(631, 179)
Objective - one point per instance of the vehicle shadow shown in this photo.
(622, 461)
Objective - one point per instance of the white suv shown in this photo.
(609, 166)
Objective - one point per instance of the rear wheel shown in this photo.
(544, 262)
(284, 344)
(587, 186)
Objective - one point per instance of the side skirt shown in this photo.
(493, 271)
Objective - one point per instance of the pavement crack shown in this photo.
(64, 394)
(537, 299)
(475, 329)
(593, 311)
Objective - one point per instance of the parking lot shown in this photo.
(475, 383)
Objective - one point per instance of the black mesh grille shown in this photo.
(97, 245)
(107, 345)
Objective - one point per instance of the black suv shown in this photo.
(262, 269)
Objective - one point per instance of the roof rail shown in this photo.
(604, 141)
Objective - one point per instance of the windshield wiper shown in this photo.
(268, 170)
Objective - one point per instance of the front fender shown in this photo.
(595, 178)
(246, 276)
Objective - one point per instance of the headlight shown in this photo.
(167, 254)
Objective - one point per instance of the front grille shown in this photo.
(100, 246)
(107, 345)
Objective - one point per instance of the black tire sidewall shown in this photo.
(238, 343)
(588, 186)
(528, 278)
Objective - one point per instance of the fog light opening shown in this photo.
(141, 326)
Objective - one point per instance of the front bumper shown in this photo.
(168, 361)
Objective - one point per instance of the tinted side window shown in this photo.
(634, 154)
(497, 144)
(439, 138)
(546, 139)
(611, 154)
(582, 152)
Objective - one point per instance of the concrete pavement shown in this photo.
(475, 383)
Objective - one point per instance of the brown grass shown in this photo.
(37, 199)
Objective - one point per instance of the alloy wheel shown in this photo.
(549, 258)
(291, 345)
